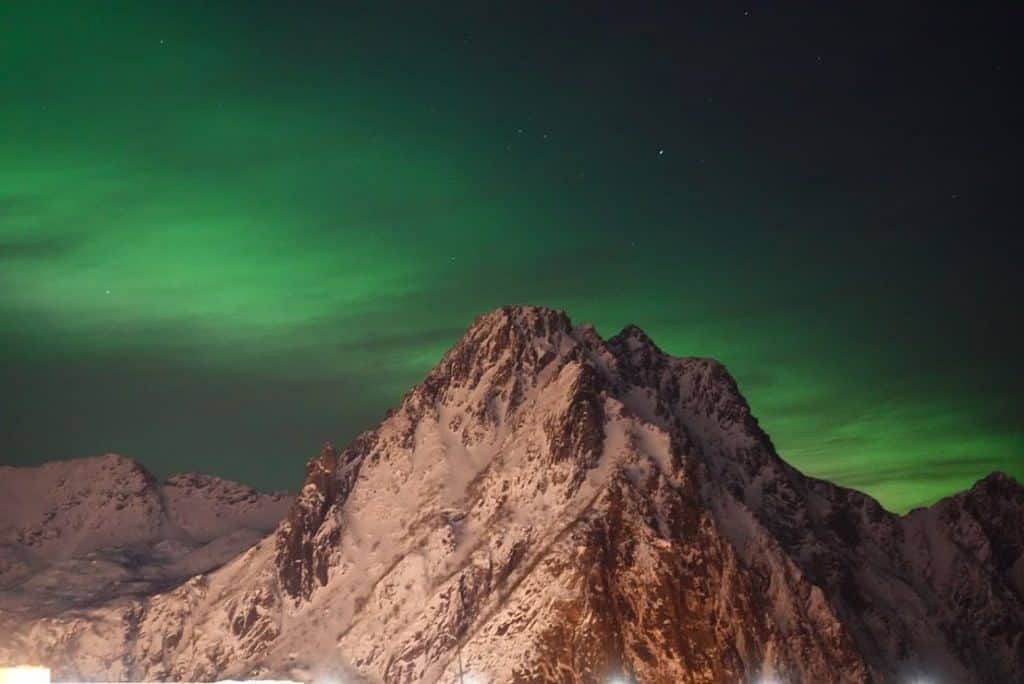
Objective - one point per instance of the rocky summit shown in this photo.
(549, 506)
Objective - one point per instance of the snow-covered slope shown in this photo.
(551, 506)
(80, 533)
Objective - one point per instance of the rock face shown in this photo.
(551, 506)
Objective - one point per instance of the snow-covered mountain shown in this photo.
(75, 534)
(551, 506)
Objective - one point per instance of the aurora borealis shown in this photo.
(231, 231)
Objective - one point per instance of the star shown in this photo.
(108, 291)
(661, 152)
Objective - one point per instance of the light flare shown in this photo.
(25, 674)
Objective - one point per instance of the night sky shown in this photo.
(230, 231)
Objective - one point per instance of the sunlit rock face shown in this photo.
(551, 506)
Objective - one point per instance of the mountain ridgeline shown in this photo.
(549, 506)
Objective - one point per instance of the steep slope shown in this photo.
(550, 506)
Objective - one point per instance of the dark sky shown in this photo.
(230, 231)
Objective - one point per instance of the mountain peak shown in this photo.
(506, 352)
(501, 346)
(997, 481)
(523, 321)
(548, 506)
(632, 336)
(63, 511)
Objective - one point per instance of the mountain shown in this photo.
(75, 534)
(550, 506)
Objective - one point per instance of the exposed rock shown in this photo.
(548, 506)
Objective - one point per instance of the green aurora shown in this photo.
(228, 235)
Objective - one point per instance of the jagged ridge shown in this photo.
(549, 506)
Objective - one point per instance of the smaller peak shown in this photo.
(633, 337)
(633, 331)
(194, 479)
(111, 457)
(110, 465)
(94, 468)
(996, 482)
(205, 481)
(114, 461)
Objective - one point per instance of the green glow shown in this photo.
(226, 237)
